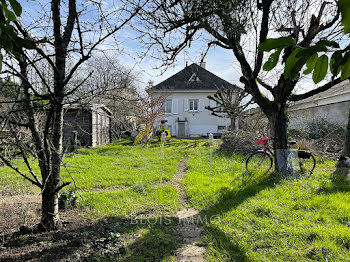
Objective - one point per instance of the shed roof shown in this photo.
(89, 107)
(192, 77)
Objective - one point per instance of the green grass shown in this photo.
(156, 200)
(116, 165)
(270, 217)
(119, 188)
(262, 217)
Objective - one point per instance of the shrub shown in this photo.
(240, 142)
(67, 199)
(320, 128)
(320, 135)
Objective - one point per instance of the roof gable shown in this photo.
(193, 77)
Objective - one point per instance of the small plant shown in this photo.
(113, 235)
(24, 215)
(67, 199)
(139, 188)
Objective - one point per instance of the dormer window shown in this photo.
(194, 78)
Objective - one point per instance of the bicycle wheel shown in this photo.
(259, 163)
(307, 161)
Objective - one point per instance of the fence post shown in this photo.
(162, 139)
(211, 155)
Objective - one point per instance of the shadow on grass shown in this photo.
(224, 246)
(109, 239)
(174, 143)
(250, 187)
(340, 181)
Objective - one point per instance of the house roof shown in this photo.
(192, 77)
(336, 94)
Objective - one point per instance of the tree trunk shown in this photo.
(233, 124)
(346, 149)
(50, 219)
(278, 123)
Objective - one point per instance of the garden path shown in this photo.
(189, 229)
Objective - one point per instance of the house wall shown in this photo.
(332, 105)
(336, 113)
(197, 123)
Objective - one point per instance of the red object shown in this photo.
(262, 141)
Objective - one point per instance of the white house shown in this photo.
(185, 95)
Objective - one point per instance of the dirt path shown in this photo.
(15, 211)
(189, 228)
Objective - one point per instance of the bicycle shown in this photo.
(262, 160)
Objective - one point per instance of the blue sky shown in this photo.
(219, 61)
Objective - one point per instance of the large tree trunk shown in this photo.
(50, 219)
(278, 125)
(346, 149)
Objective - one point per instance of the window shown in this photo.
(220, 108)
(167, 106)
(193, 103)
(221, 129)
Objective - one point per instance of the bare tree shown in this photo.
(241, 26)
(113, 85)
(230, 103)
(149, 108)
(70, 33)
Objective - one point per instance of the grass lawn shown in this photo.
(120, 183)
(270, 217)
(264, 217)
(113, 166)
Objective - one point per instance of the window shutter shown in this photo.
(186, 105)
(157, 107)
(175, 106)
(201, 105)
(169, 106)
(212, 103)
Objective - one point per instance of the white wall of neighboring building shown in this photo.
(198, 122)
(331, 105)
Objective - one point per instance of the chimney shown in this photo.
(202, 64)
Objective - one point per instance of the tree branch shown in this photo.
(325, 87)
(266, 86)
(8, 163)
(264, 29)
(72, 13)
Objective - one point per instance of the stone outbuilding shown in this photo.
(332, 106)
(87, 125)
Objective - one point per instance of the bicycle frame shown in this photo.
(266, 148)
(301, 154)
